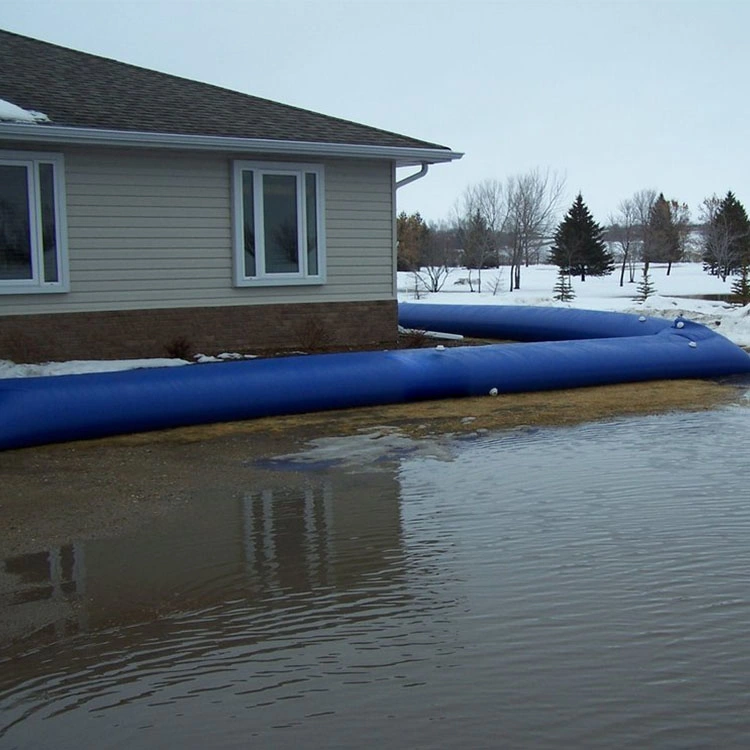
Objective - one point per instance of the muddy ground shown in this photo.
(51, 495)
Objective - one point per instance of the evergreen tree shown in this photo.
(741, 286)
(579, 248)
(645, 288)
(662, 237)
(413, 235)
(563, 288)
(727, 241)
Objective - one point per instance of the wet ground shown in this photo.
(97, 489)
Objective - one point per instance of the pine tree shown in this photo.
(579, 246)
(563, 288)
(663, 240)
(412, 234)
(645, 288)
(727, 242)
(741, 286)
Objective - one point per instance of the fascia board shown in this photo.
(403, 156)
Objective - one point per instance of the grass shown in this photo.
(449, 416)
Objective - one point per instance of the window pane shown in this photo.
(248, 218)
(311, 197)
(280, 223)
(15, 231)
(49, 222)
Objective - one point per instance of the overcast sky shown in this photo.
(616, 96)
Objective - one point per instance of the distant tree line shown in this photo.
(517, 223)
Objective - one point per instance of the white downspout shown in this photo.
(414, 177)
(396, 185)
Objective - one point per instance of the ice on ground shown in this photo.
(373, 449)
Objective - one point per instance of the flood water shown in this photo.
(532, 588)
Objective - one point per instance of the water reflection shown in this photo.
(42, 588)
(239, 580)
(255, 545)
(578, 587)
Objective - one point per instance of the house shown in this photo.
(141, 211)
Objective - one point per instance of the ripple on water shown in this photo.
(563, 587)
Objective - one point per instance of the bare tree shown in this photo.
(716, 238)
(489, 199)
(438, 255)
(533, 202)
(625, 233)
(519, 214)
(479, 215)
(643, 203)
(681, 220)
(477, 244)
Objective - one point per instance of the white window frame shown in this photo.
(37, 284)
(259, 170)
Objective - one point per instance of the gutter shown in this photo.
(402, 156)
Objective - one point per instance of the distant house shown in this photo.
(138, 209)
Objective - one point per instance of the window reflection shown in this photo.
(280, 223)
(15, 227)
(311, 197)
(248, 225)
(49, 223)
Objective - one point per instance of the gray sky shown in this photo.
(616, 95)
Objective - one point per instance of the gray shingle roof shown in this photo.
(76, 89)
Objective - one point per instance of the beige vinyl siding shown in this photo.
(154, 229)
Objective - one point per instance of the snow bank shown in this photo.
(9, 369)
(677, 294)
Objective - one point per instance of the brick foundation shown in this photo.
(127, 334)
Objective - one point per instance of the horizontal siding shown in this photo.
(148, 262)
(154, 230)
(155, 219)
(141, 205)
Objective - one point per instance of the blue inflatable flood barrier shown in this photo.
(611, 348)
(520, 323)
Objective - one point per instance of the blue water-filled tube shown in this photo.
(611, 348)
(519, 323)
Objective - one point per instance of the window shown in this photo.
(32, 223)
(279, 232)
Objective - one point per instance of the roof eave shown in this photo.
(403, 156)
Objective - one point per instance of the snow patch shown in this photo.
(78, 367)
(223, 357)
(10, 112)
